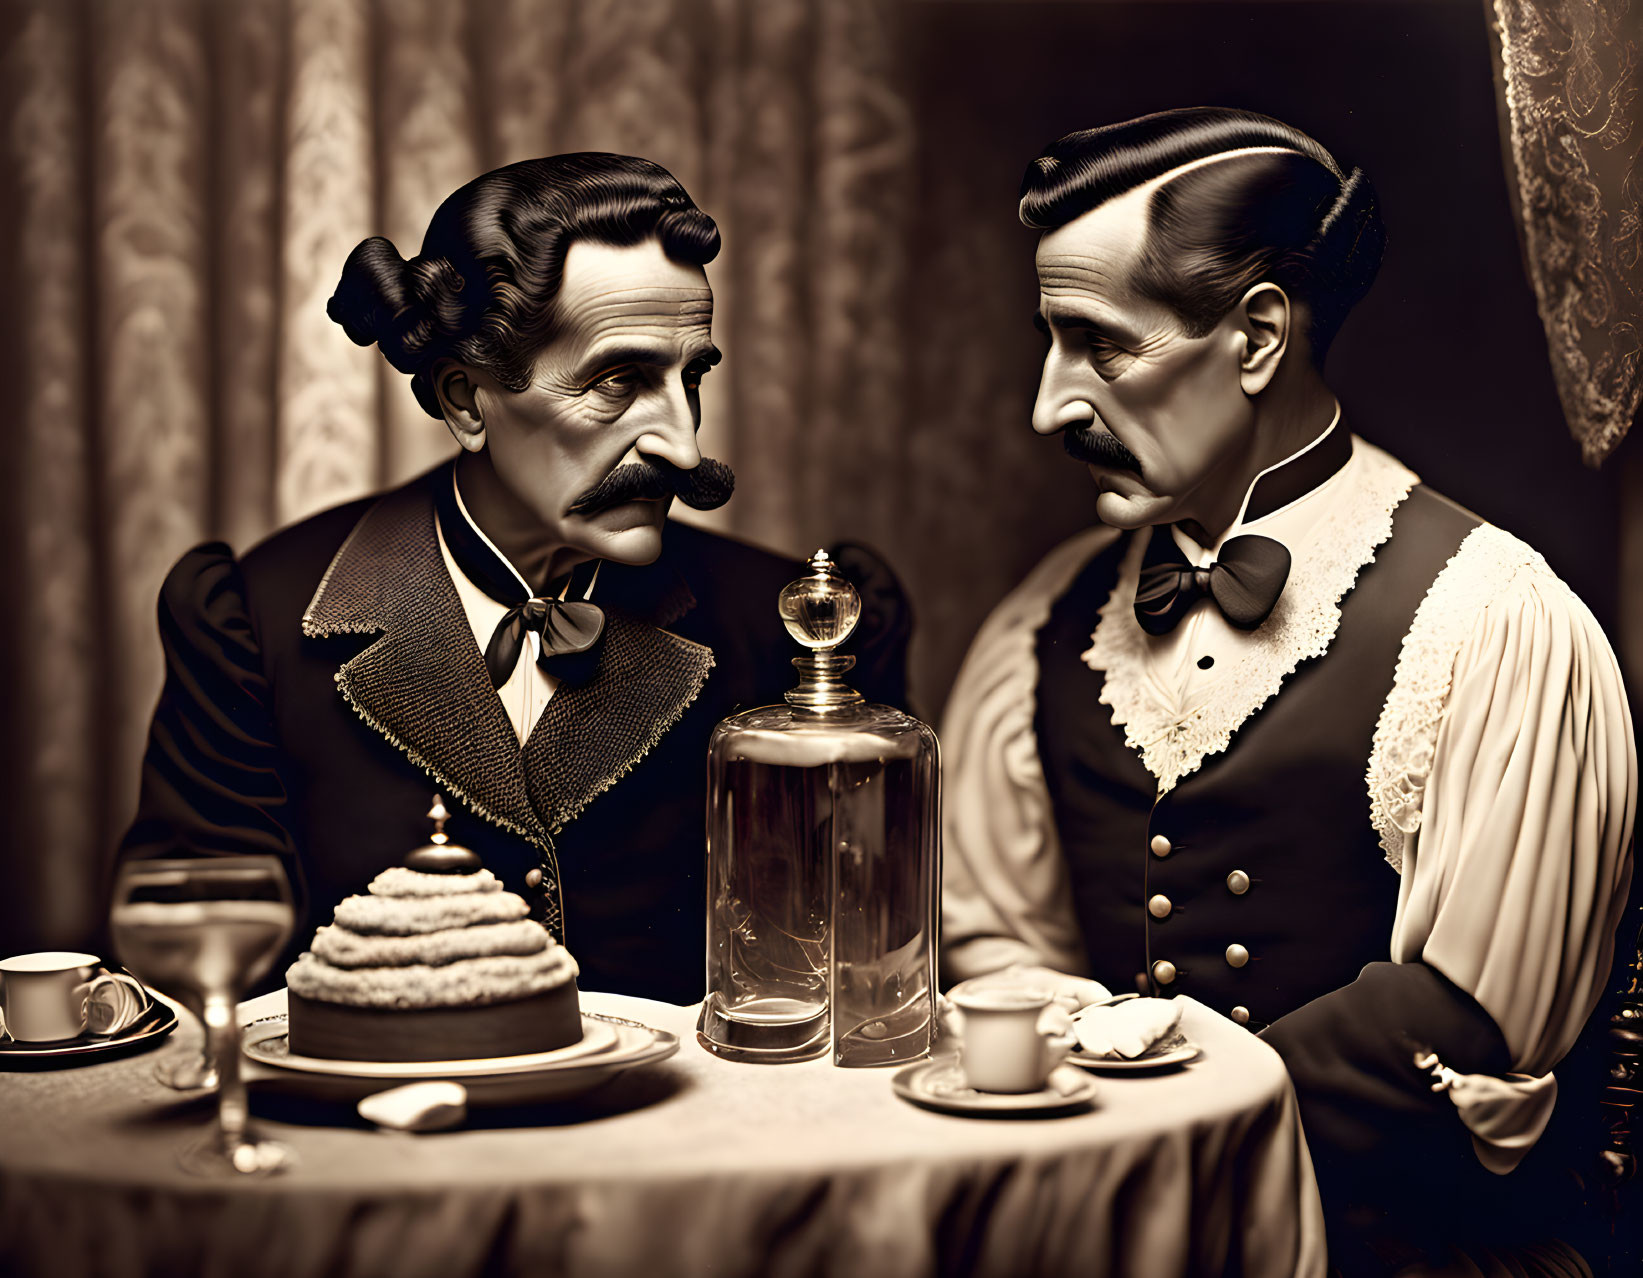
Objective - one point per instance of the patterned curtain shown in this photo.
(1572, 91)
(188, 177)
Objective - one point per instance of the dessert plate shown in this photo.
(940, 1085)
(609, 1045)
(156, 1022)
(273, 1048)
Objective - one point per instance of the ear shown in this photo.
(1264, 317)
(457, 387)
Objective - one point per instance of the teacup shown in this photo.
(63, 994)
(1005, 1050)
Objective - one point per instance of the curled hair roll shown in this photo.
(371, 296)
(414, 312)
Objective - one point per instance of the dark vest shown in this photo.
(1285, 806)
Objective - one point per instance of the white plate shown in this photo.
(269, 1046)
(609, 1045)
(940, 1085)
(1180, 1055)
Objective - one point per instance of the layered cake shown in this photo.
(433, 966)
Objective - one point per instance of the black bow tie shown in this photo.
(566, 627)
(1245, 582)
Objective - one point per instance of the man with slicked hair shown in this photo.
(1287, 731)
(520, 629)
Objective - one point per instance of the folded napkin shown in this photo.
(417, 1107)
(1124, 1031)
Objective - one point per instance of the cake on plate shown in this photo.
(435, 962)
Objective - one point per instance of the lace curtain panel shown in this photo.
(186, 181)
(1572, 93)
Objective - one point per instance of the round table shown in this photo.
(692, 1166)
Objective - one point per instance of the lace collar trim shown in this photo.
(1302, 626)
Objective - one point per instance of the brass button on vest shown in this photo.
(1159, 907)
(1160, 845)
(1163, 971)
(1237, 955)
(533, 878)
(1237, 883)
(1240, 1016)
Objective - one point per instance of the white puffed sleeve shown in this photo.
(1511, 800)
(1005, 893)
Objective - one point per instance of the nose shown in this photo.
(1061, 400)
(669, 433)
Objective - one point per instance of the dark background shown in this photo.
(1444, 364)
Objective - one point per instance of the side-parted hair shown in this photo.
(482, 289)
(1284, 214)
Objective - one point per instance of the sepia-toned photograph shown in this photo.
(797, 638)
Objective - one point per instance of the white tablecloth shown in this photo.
(695, 1166)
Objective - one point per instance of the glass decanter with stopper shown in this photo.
(822, 861)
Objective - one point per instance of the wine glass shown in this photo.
(202, 930)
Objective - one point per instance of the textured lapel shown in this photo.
(423, 683)
(591, 734)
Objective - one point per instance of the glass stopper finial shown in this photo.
(821, 609)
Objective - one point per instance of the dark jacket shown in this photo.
(320, 690)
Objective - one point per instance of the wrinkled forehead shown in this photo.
(1090, 257)
(636, 292)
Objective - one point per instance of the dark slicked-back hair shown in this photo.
(482, 290)
(1284, 215)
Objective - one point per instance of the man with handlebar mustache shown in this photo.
(520, 629)
(1288, 732)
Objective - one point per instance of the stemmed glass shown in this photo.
(202, 930)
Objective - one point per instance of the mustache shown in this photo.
(706, 487)
(1102, 447)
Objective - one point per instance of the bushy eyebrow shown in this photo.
(616, 356)
(649, 356)
(1083, 323)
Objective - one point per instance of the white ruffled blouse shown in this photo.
(1502, 778)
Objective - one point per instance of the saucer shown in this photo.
(156, 1022)
(1175, 1049)
(608, 1046)
(940, 1085)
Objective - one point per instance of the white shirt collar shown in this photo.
(462, 509)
